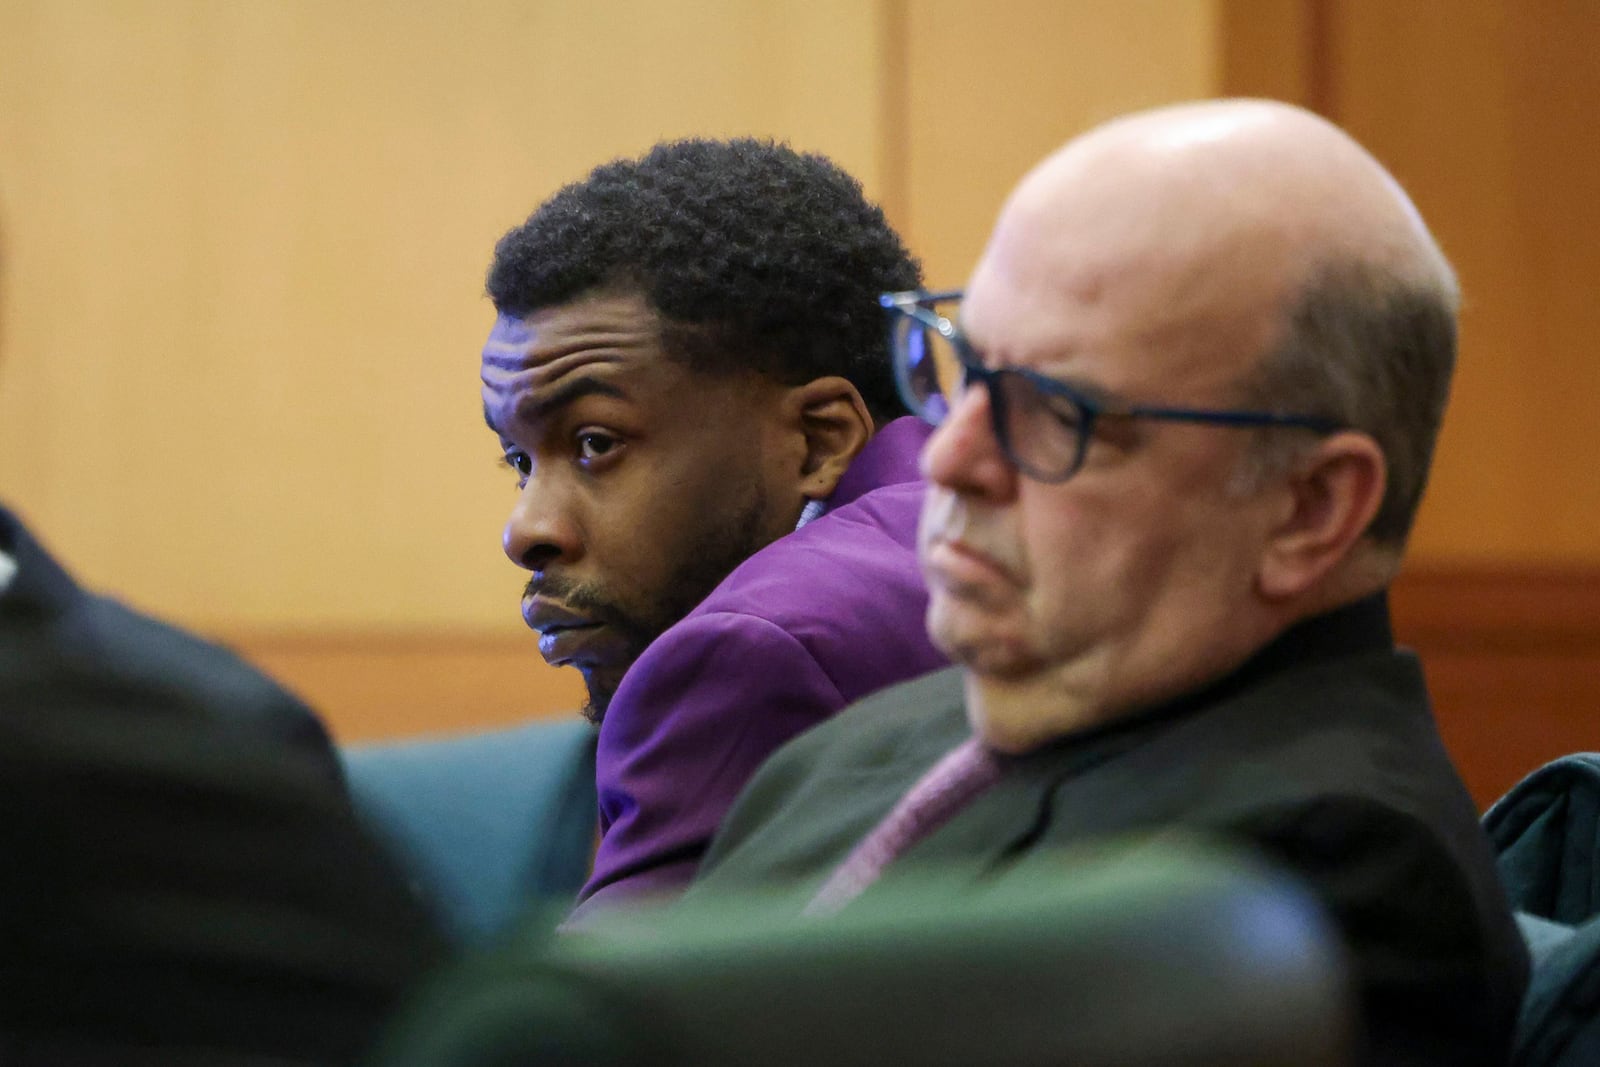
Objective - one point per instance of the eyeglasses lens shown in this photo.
(1041, 430)
(928, 370)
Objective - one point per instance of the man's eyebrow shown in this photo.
(566, 393)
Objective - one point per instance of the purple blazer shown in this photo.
(806, 626)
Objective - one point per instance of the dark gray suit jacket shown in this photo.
(182, 879)
(1320, 754)
(101, 638)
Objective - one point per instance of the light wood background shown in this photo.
(245, 239)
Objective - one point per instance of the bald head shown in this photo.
(1259, 181)
(1269, 231)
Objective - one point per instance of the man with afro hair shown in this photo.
(717, 482)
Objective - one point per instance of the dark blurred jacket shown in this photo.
(100, 637)
(182, 880)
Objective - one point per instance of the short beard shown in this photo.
(714, 556)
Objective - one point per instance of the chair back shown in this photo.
(485, 823)
(1546, 831)
(1163, 957)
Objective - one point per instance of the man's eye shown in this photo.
(519, 462)
(592, 444)
(1065, 411)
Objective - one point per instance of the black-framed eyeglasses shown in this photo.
(1043, 425)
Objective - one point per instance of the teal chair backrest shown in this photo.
(1546, 832)
(485, 823)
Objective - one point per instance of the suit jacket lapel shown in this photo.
(1019, 809)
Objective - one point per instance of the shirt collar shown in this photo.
(8, 570)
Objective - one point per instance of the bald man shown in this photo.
(1185, 414)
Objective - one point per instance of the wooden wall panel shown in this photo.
(993, 86)
(1512, 657)
(1274, 50)
(371, 685)
(1484, 110)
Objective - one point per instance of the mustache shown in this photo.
(585, 598)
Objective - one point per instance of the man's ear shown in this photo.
(834, 425)
(1332, 494)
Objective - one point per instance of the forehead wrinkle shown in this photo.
(525, 357)
(533, 409)
(516, 345)
(520, 373)
(520, 388)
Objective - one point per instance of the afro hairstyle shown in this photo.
(755, 256)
